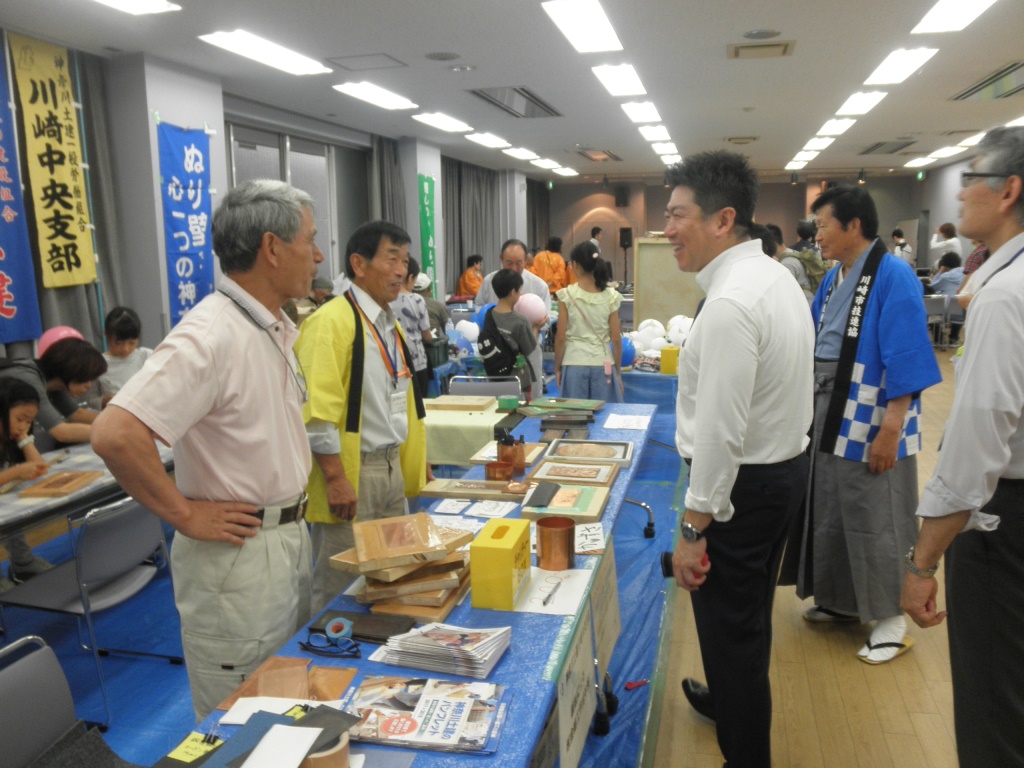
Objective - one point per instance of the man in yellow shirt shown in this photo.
(549, 265)
(472, 278)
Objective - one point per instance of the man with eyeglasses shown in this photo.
(223, 389)
(972, 508)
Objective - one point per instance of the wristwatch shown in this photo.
(919, 572)
(690, 533)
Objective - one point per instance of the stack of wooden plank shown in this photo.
(411, 566)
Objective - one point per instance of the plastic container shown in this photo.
(670, 360)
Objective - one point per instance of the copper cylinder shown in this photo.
(556, 543)
(514, 454)
(498, 470)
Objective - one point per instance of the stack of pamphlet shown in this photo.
(447, 648)
(424, 713)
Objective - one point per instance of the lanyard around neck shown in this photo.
(1004, 266)
(390, 361)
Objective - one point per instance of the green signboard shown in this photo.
(428, 260)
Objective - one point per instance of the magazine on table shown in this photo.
(447, 648)
(428, 713)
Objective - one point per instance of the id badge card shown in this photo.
(399, 401)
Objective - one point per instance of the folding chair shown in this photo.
(935, 312)
(114, 548)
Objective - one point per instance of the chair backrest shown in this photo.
(36, 707)
(935, 307)
(116, 538)
(954, 312)
(485, 385)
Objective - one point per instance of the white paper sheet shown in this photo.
(491, 509)
(564, 600)
(452, 506)
(244, 708)
(283, 746)
(624, 421)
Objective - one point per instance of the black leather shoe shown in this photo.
(699, 697)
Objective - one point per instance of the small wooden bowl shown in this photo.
(498, 470)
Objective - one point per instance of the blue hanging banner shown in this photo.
(19, 303)
(185, 192)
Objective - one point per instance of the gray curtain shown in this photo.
(538, 212)
(478, 209)
(387, 198)
(454, 255)
(83, 306)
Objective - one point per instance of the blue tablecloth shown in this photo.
(660, 389)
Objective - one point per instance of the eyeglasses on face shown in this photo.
(969, 177)
(320, 644)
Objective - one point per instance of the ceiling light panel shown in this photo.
(621, 80)
(489, 140)
(947, 152)
(265, 52)
(1016, 123)
(918, 162)
(521, 153)
(818, 143)
(545, 163)
(642, 111)
(861, 103)
(899, 65)
(835, 127)
(655, 133)
(972, 141)
(805, 157)
(442, 122)
(140, 7)
(671, 159)
(665, 148)
(795, 165)
(565, 171)
(951, 16)
(375, 95)
(584, 24)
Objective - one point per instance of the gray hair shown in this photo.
(248, 212)
(1002, 151)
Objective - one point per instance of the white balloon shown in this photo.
(659, 343)
(469, 329)
(677, 335)
(678, 320)
(659, 329)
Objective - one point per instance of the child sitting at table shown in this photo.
(19, 460)
(124, 356)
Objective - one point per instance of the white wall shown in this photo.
(938, 198)
(419, 157)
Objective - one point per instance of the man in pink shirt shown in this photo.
(224, 390)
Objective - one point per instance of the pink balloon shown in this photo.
(531, 307)
(53, 335)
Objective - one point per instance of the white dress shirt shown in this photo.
(746, 375)
(984, 436)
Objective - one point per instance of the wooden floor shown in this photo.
(830, 709)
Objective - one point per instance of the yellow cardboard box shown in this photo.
(499, 560)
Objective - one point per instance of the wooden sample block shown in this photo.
(578, 473)
(582, 503)
(567, 403)
(60, 484)
(452, 537)
(422, 613)
(485, 490)
(401, 540)
(489, 453)
(582, 451)
(459, 403)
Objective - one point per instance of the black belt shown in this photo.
(290, 514)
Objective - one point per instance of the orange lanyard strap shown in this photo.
(391, 363)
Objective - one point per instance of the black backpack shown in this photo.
(498, 353)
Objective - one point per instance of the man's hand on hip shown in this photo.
(230, 522)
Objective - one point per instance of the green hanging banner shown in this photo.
(427, 257)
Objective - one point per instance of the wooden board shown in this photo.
(421, 613)
(582, 503)
(60, 484)
(277, 676)
(485, 490)
(567, 403)
(401, 540)
(452, 537)
(565, 472)
(411, 585)
(460, 403)
(584, 451)
(488, 453)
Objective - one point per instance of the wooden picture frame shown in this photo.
(477, 490)
(619, 451)
(575, 473)
(489, 453)
(585, 504)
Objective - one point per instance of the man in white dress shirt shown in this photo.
(973, 506)
(513, 256)
(223, 389)
(744, 407)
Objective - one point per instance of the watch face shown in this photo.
(689, 533)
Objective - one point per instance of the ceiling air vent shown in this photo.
(518, 101)
(367, 62)
(773, 50)
(739, 141)
(886, 147)
(1001, 84)
(599, 155)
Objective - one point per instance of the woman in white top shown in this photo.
(943, 241)
(588, 322)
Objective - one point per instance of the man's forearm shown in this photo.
(937, 533)
(331, 466)
(895, 413)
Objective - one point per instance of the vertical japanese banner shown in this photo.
(427, 259)
(53, 154)
(19, 305)
(185, 192)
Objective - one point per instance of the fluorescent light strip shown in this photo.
(584, 24)
(140, 7)
(951, 16)
(621, 80)
(642, 111)
(665, 148)
(265, 52)
(795, 165)
(521, 153)
(671, 159)
(899, 65)
(655, 133)
(1016, 123)
(565, 171)
(545, 163)
(818, 143)
(374, 94)
(861, 103)
(489, 140)
(442, 122)
(805, 156)
(971, 141)
(947, 152)
(835, 127)
(917, 163)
